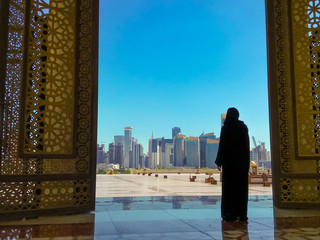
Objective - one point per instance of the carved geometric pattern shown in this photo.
(306, 59)
(286, 194)
(10, 163)
(282, 85)
(298, 100)
(20, 193)
(49, 92)
(84, 88)
(300, 190)
(22, 196)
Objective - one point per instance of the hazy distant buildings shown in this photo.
(132, 153)
(100, 153)
(193, 152)
(118, 154)
(179, 150)
(175, 132)
(119, 139)
(149, 158)
(167, 153)
(156, 153)
(203, 148)
(139, 156)
(211, 152)
(136, 154)
(127, 146)
(260, 155)
(111, 153)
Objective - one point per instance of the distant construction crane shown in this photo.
(254, 141)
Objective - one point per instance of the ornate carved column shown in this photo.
(293, 34)
(49, 107)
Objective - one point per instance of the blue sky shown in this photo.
(167, 63)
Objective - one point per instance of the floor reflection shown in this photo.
(178, 217)
(234, 230)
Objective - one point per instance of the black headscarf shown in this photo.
(232, 115)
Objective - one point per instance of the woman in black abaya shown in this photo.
(234, 157)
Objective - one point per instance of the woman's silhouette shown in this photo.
(234, 157)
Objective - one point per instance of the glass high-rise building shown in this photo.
(100, 153)
(111, 153)
(127, 146)
(193, 152)
(179, 150)
(211, 152)
(203, 148)
(119, 139)
(118, 154)
(166, 144)
(156, 152)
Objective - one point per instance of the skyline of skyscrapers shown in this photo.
(178, 151)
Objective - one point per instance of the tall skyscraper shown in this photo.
(175, 132)
(100, 153)
(119, 139)
(211, 152)
(118, 154)
(203, 148)
(111, 153)
(132, 154)
(156, 152)
(139, 156)
(127, 146)
(165, 156)
(149, 164)
(179, 150)
(193, 152)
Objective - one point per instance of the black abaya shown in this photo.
(234, 157)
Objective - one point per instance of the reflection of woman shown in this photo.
(234, 157)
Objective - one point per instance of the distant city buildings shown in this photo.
(193, 152)
(178, 151)
(101, 154)
(211, 152)
(260, 155)
(127, 146)
(203, 148)
(118, 155)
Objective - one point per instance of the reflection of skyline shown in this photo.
(126, 202)
(169, 202)
(173, 202)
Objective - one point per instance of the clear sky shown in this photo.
(167, 63)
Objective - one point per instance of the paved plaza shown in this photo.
(133, 185)
(142, 207)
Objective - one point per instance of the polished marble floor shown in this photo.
(168, 217)
(181, 217)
